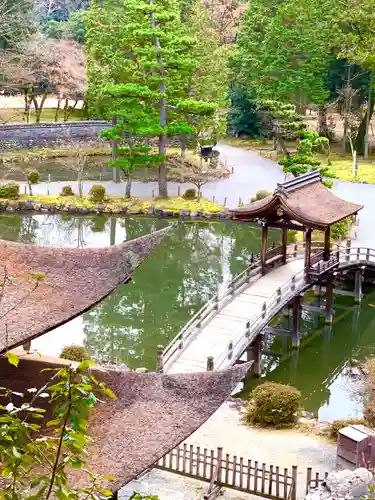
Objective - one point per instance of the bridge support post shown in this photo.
(329, 300)
(296, 334)
(284, 243)
(263, 251)
(256, 355)
(358, 286)
(308, 248)
(327, 243)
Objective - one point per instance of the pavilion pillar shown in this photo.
(263, 251)
(308, 248)
(327, 242)
(284, 243)
(296, 333)
(329, 299)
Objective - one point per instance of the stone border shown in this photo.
(33, 207)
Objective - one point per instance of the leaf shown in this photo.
(84, 365)
(109, 478)
(13, 358)
(107, 392)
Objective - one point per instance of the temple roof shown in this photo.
(151, 415)
(74, 280)
(305, 200)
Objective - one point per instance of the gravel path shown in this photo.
(225, 428)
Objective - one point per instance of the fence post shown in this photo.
(278, 295)
(210, 363)
(348, 247)
(219, 464)
(153, 194)
(179, 191)
(295, 251)
(230, 349)
(308, 479)
(264, 307)
(247, 333)
(159, 359)
(225, 201)
(294, 478)
(293, 283)
(368, 255)
(358, 253)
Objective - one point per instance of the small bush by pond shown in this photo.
(273, 404)
(75, 353)
(190, 194)
(10, 190)
(334, 427)
(67, 191)
(97, 193)
(260, 195)
(33, 177)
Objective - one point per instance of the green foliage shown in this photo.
(140, 496)
(67, 191)
(280, 121)
(334, 427)
(35, 463)
(273, 404)
(260, 195)
(243, 117)
(75, 353)
(148, 91)
(33, 177)
(190, 194)
(9, 190)
(72, 29)
(97, 193)
(341, 229)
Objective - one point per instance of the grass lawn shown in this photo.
(343, 169)
(113, 203)
(15, 115)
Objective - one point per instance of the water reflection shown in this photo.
(193, 262)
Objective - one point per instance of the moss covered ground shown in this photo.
(115, 204)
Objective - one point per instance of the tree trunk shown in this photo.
(361, 134)
(128, 187)
(346, 112)
(39, 107)
(58, 109)
(69, 110)
(322, 127)
(370, 110)
(27, 99)
(115, 171)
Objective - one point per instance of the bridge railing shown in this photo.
(257, 322)
(221, 299)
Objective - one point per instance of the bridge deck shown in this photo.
(230, 322)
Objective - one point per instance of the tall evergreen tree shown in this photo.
(151, 94)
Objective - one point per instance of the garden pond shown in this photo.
(193, 262)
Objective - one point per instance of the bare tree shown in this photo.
(42, 66)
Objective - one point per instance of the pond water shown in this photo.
(191, 264)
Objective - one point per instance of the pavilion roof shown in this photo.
(151, 415)
(75, 280)
(305, 200)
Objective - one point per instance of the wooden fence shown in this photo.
(231, 471)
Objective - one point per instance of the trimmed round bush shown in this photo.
(75, 353)
(33, 177)
(67, 191)
(273, 404)
(9, 190)
(97, 193)
(259, 195)
(190, 194)
(334, 427)
(369, 414)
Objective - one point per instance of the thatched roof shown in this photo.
(75, 280)
(305, 200)
(152, 414)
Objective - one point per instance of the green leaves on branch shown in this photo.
(130, 90)
(197, 107)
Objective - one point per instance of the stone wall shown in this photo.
(22, 136)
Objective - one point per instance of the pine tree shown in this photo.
(151, 95)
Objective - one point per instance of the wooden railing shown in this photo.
(231, 471)
(221, 299)
(341, 257)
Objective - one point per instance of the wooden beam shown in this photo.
(327, 243)
(263, 251)
(308, 248)
(284, 243)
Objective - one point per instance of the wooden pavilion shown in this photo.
(301, 204)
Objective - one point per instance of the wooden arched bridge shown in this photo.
(231, 323)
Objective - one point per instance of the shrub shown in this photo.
(259, 195)
(67, 191)
(97, 193)
(190, 194)
(33, 177)
(75, 353)
(369, 413)
(341, 229)
(273, 404)
(334, 427)
(9, 190)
